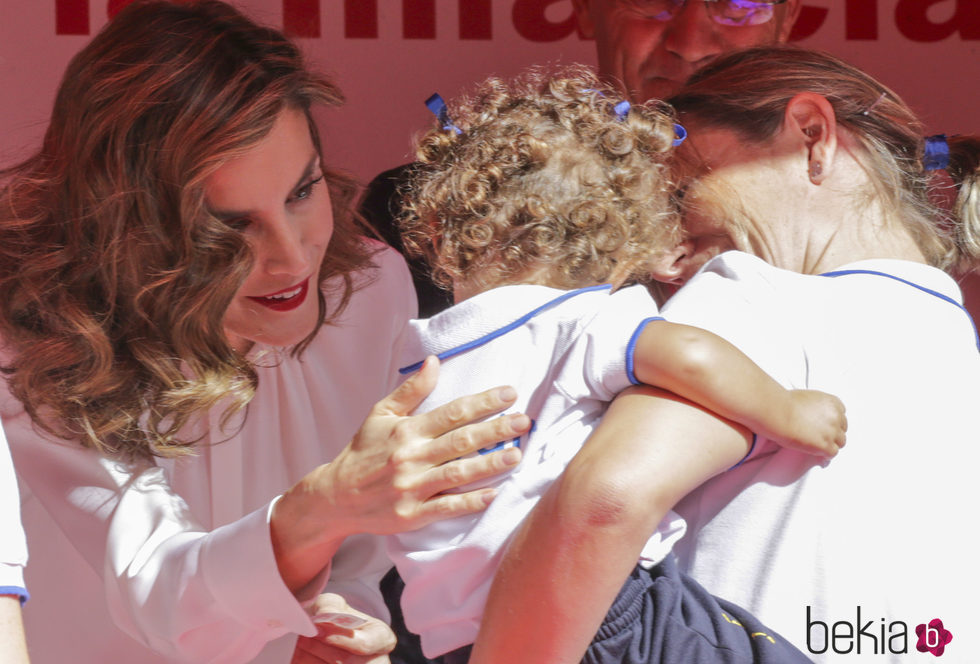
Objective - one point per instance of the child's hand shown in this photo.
(817, 423)
(344, 636)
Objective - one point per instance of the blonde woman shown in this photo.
(813, 246)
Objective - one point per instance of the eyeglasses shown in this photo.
(723, 12)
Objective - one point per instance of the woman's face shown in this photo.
(731, 192)
(276, 195)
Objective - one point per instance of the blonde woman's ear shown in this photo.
(812, 126)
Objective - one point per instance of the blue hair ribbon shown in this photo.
(437, 105)
(937, 153)
(680, 134)
(622, 109)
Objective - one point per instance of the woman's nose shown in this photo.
(285, 250)
(691, 34)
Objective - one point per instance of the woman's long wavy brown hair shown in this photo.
(114, 276)
(545, 181)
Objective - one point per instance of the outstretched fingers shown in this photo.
(412, 392)
(444, 477)
(448, 418)
(454, 418)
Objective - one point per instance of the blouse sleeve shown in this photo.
(179, 589)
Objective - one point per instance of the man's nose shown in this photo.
(692, 34)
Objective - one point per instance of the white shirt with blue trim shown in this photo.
(568, 353)
(13, 546)
(880, 539)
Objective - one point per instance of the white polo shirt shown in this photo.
(859, 551)
(568, 353)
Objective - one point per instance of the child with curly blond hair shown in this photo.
(536, 202)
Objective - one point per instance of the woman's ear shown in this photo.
(811, 121)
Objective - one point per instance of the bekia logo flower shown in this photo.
(933, 637)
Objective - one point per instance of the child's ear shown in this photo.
(810, 122)
(673, 266)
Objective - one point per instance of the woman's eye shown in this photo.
(240, 224)
(306, 190)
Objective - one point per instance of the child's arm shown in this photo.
(708, 370)
(571, 555)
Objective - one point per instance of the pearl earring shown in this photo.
(816, 168)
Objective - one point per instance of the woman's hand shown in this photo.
(344, 636)
(395, 473)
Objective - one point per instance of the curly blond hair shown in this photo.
(115, 276)
(544, 183)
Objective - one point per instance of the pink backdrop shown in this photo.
(389, 55)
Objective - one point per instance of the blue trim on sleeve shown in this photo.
(16, 590)
(490, 336)
(841, 273)
(755, 439)
(631, 348)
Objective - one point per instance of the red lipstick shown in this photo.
(285, 300)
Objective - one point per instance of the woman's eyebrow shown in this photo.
(227, 215)
(308, 171)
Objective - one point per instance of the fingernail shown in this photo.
(507, 393)
(488, 497)
(519, 423)
(511, 456)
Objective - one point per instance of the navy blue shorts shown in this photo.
(660, 616)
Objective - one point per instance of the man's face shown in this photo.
(651, 58)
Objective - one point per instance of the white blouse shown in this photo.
(183, 547)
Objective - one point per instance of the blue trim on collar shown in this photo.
(631, 348)
(490, 336)
(841, 273)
